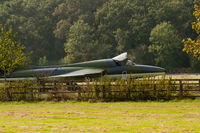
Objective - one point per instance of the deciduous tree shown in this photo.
(166, 46)
(80, 45)
(191, 46)
(12, 54)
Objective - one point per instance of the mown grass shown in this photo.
(176, 117)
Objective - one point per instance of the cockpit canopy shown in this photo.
(130, 63)
(122, 59)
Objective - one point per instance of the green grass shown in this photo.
(2, 85)
(175, 117)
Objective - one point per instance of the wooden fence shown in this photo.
(134, 90)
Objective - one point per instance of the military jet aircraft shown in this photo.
(118, 66)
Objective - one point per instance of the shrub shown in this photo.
(147, 88)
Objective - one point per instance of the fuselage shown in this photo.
(109, 67)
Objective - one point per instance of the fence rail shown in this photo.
(135, 89)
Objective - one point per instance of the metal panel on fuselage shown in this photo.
(32, 72)
(105, 63)
(122, 69)
(43, 72)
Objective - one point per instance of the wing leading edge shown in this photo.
(82, 72)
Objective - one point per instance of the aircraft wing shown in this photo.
(82, 72)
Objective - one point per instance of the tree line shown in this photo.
(67, 31)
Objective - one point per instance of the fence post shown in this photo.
(7, 90)
(154, 90)
(181, 88)
(129, 93)
(79, 94)
(31, 92)
(199, 83)
(96, 91)
(103, 91)
(54, 85)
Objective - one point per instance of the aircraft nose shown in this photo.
(157, 69)
(148, 68)
(160, 69)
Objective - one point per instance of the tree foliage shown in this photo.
(166, 46)
(33, 21)
(80, 45)
(117, 26)
(12, 54)
(70, 11)
(191, 46)
(43, 61)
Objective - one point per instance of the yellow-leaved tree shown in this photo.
(191, 46)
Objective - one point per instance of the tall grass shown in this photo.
(19, 90)
(147, 88)
(104, 89)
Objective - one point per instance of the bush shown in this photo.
(20, 90)
(105, 89)
(148, 88)
(59, 93)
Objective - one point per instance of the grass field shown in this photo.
(176, 117)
